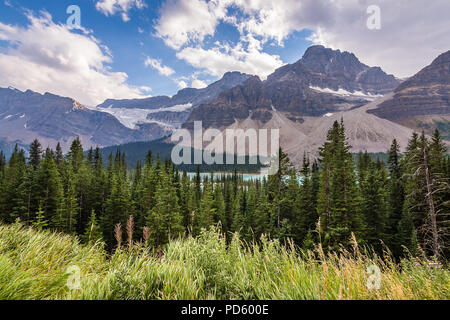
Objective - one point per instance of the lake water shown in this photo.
(246, 176)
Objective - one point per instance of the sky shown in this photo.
(140, 48)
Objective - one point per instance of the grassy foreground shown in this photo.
(33, 265)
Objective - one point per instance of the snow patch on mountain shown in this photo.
(130, 118)
(342, 92)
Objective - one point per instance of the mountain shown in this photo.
(25, 116)
(423, 101)
(168, 113)
(303, 100)
(28, 115)
(322, 67)
(191, 96)
(322, 81)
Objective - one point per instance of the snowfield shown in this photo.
(131, 117)
(342, 92)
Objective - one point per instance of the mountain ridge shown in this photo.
(322, 81)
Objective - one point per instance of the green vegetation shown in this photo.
(395, 211)
(137, 152)
(33, 265)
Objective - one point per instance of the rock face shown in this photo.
(425, 94)
(191, 96)
(326, 68)
(323, 81)
(25, 116)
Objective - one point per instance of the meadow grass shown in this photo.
(33, 265)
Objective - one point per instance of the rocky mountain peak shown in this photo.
(438, 72)
(328, 61)
(422, 101)
(334, 70)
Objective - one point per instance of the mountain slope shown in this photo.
(365, 132)
(426, 93)
(303, 100)
(191, 96)
(28, 115)
(168, 113)
(323, 81)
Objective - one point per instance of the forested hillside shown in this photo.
(403, 205)
(137, 151)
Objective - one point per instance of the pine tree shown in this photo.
(51, 193)
(59, 158)
(203, 218)
(117, 206)
(338, 203)
(76, 155)
(396, 199)
(374, 207)
(70, 200)
(2, 167)
(285, 168)
(307, 216)
(218, 207)
(11, 200)
(97, 188)
(238, 222)
(164, 218)
(40, 222)
(363, 165)
(35, 154)
(186, 201)
(263, 211)
(93, 232)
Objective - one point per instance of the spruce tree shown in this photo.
(93, 231)
(203, 218)
(164, 219)
(396, 199)
(51, 193)
(374, 208)
(40, 222)
(307, 216)
(35, 154)
(338, 203)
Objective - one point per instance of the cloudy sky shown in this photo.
(139, 48)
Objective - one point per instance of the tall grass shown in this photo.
(33, 266)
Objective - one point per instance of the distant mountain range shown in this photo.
(323, 81)
(423, 101)
(301, 99)
(27, 115)
(191, 96)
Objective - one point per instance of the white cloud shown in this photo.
(45, 56)
(223, 58)
(413, 32)
(185, 21)
(145, 89)
(156, 64)
(111, 7)
(198, 84)
(182, 84)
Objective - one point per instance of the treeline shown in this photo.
(401, 205)
(137, 151)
